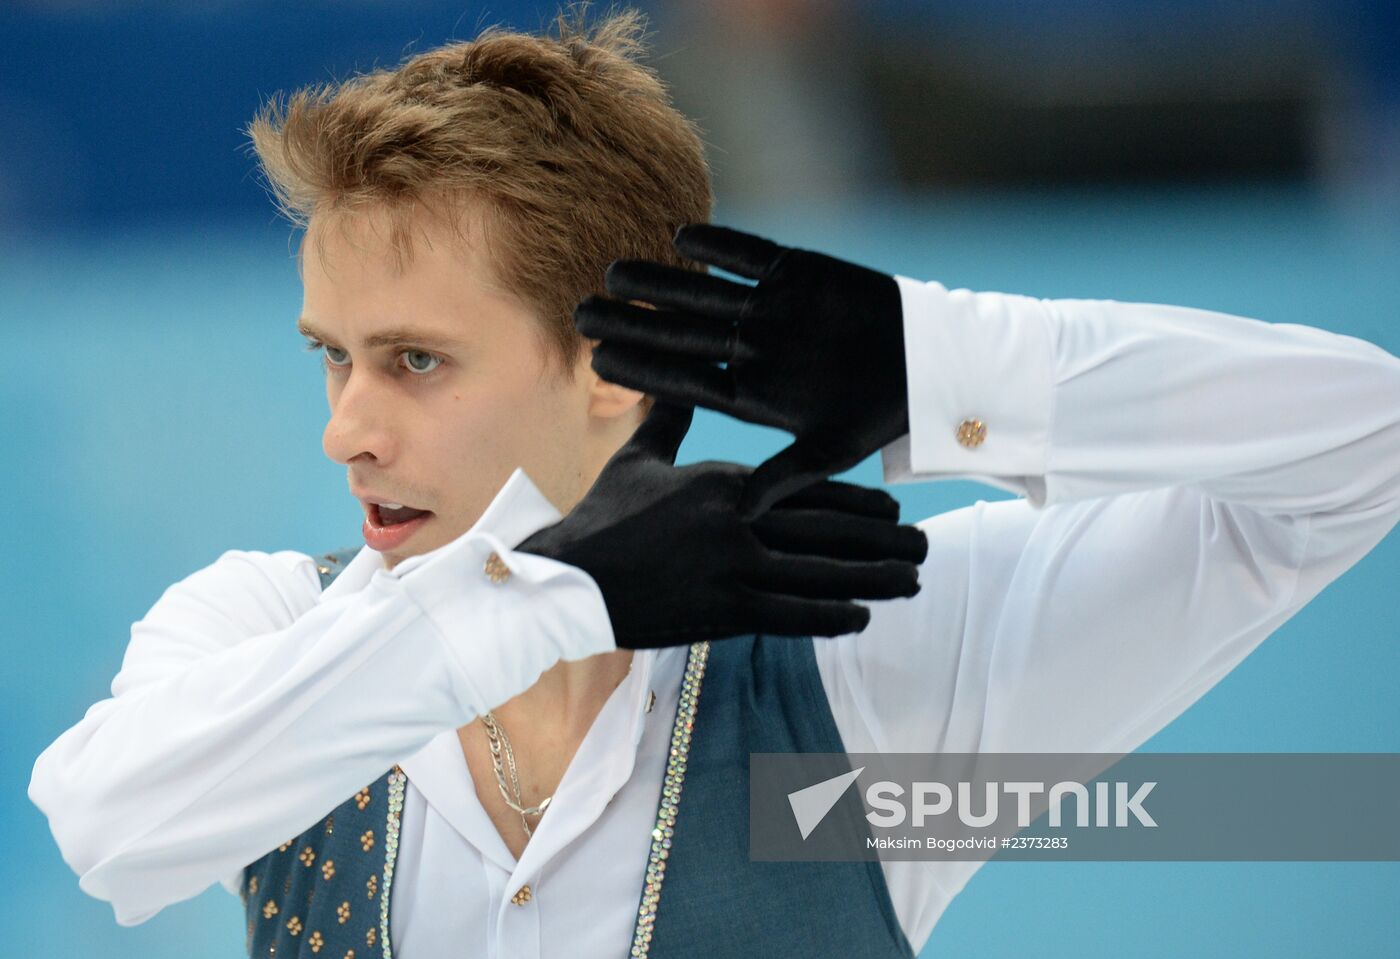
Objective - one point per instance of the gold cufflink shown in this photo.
(972, 432)
(496, 569)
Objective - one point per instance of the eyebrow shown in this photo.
(395, 336)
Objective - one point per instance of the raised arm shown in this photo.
(1191, 480)
(247, 705)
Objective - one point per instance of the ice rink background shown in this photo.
(157, 408)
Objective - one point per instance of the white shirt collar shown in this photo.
(518, 511)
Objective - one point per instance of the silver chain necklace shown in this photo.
(500, 743)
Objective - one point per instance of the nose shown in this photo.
(360, 426)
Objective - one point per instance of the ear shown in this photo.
(605, 400)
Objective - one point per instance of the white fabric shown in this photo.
(1189, 480)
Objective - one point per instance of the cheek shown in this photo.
(484, 431)
(479, 432)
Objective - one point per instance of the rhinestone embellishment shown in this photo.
(670, 798)
(496, 569)
(391, 853)
(971, 433)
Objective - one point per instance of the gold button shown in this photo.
(496, 569)
(522, 896)
(972, 432)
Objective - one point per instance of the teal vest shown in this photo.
(328, 892)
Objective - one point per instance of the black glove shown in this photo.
(677, 564)
(816, 348)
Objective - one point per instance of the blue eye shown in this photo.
(420, 361)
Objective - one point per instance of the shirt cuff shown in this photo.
(526, 611)
(978, 365)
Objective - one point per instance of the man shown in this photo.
(1200, 475)
(451, 232)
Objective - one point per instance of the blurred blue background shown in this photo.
(158, 408)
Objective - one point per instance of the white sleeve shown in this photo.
(1190, 480)
(247, 704)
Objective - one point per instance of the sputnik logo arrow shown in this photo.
(810, 805)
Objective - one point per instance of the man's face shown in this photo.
(439, 384)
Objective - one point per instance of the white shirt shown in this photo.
(1187, 480)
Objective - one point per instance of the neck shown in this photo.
(567, 697)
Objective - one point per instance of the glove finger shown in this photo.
(783, 474)
(664, 331)
(742, 254)
(844, 497)
(661, 433)
(779, 615)
(677, 288)
(837, 535)
(676, 379)
(820, 578)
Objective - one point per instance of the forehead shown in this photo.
(375, 264)
(392, 241)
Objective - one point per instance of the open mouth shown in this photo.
(392, 514)
(388, 526)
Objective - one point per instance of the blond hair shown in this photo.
(569, 140)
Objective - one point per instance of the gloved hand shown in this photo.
(816, 349)
(677, 564)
